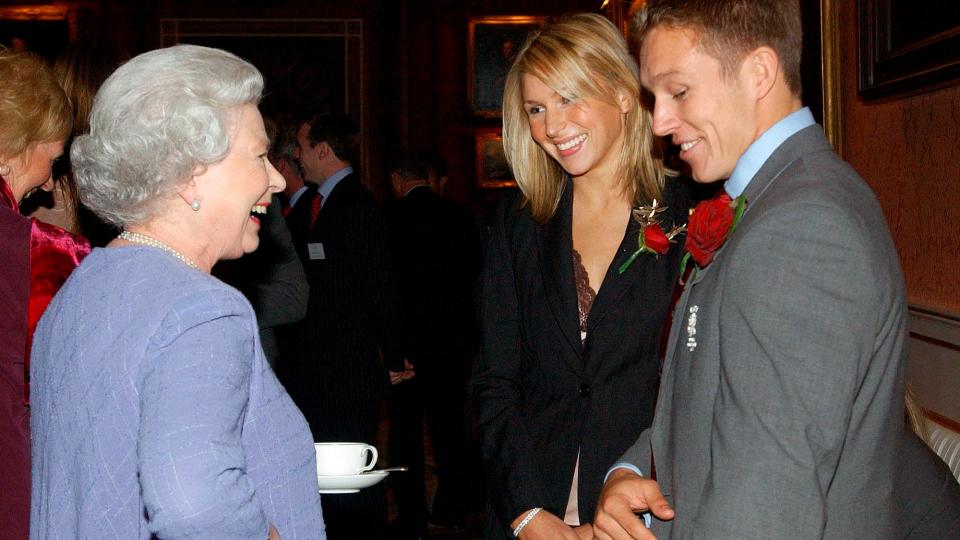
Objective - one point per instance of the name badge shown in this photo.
(315, 251)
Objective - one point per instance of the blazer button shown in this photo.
(584, 390)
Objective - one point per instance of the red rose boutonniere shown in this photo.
(652, 238)
(710, 224)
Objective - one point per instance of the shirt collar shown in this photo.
(762, 148)
(326, 188)
(296, 196)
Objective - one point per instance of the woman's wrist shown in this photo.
(521, 522)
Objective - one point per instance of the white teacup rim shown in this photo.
(341, 443)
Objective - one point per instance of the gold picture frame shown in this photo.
(492, 44)
(493, 171)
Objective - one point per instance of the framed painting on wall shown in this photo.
(42, 29)
(908, 47)
(309, 65)
(493, 42)
(493, 171)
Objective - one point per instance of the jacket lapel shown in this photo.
(615, 284)
(556, 263)
(807, 140)
(331, 206)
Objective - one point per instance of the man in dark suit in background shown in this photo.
(299, 210)
(437, 251)
(272, 277)
(337, 372)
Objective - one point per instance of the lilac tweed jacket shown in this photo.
(154, 412)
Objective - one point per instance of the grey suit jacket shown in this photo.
(781, 399)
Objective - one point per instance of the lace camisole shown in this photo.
(585, 297)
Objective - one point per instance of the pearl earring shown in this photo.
(195, 205)
(4, 170)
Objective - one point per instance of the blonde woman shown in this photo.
(36, 258)
(569, 371)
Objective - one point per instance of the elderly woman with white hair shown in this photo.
(155, 414)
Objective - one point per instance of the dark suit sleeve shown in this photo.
(804, 312)
(377, 285)
(928, 492)
(281, 297)
(498, 384)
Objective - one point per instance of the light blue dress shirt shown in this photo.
(296, 196)
(326, 188)
(760, 151)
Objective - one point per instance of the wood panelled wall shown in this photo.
(415, 76)
(415, 80)
(908, 150)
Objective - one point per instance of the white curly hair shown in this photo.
(155, 121)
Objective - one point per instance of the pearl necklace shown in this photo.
(138, 238)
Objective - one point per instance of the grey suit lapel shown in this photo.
(805, 141)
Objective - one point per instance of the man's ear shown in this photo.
(762, 67)
(284, 165)
(322, 149)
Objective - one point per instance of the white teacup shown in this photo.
(344, 458)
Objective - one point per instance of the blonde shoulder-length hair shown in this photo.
(580, 55)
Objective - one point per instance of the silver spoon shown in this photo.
(391, 469)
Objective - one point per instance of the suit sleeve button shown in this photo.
(584, 389)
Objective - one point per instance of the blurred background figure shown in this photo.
(271, 277)
(36, 258)
(155, 412)
(80, 70)
(299, 195)
(437, 252)
(335, 361)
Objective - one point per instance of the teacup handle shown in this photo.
(373, 454)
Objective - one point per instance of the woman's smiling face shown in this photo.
(584, 135)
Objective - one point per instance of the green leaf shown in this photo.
(737, 214)
(683, 263)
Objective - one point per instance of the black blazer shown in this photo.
(351, 314)
(540, 395)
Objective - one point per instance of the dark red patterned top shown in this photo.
(585, 293)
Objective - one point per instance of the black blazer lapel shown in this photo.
(615, 284)
(556, 263)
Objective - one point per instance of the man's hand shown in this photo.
(546, 526)
(625, 493)
(273, 534)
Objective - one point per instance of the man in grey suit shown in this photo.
(781, 398)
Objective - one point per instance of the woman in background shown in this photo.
(569, 370)
(155, 413)
(36, 258)
(80, 70)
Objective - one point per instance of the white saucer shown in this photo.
(349, 483)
